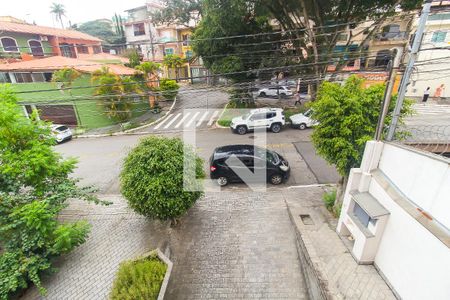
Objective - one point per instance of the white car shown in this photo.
(275, 91)
(268, 118)
(303, 121)
(61, 133)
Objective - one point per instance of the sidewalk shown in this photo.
(328, 266)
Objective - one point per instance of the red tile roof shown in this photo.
(43, 30)
(59, 62)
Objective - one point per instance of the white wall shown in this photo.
(423, 179)
(413, 260)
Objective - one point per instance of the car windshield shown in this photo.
(270, 155)
(246, 116)
(61, 128)
(308, 113)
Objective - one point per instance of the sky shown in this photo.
(78, 11)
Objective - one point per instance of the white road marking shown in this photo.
(202, 118)
(163, 121)
(182, 119)
(212, 118)
(173, 120)
(192, 119)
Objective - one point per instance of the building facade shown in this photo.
(432, 68)
(19, 40)
(396, 215)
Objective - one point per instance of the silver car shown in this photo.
(61, 133)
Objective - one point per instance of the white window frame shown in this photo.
(34, 40)
(9, 37)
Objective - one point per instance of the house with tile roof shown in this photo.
(20, 40)
(77, 106)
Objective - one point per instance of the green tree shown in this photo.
(149, 70)
(348, 116)
(101, 29)
(34, 187)
(65, 77)
(173, 61)
(59, 11)
(133, 56)
(117, 93)
(179, 12)
(152, 178)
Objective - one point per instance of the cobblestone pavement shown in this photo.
(334, 265)
(117, 234)
(236, 245)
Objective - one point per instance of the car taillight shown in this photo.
(212, 168)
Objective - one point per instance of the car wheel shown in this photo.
(222, 181)
(241, 130)
(275, 128)
(283, 95)
(302, 126)
(276, 179)
(262, 94)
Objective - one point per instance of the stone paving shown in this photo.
(236, 245)
(117, 234)
(333, 264)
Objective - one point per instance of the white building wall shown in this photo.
(432, 73)
(414, 261)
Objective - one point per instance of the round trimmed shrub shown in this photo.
(152, 178)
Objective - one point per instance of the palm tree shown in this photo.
(150, 71)
(173, 61)
(59, 11)
(65, 77)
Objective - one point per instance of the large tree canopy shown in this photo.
(101, 29)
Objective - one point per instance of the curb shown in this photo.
(220, 116)
(130, 131)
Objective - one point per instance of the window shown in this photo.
(270, 115)
(67, 50)
(9, 44)
(82, 49)
(38, 77)
(188, 54)
(36, 48)
(4, 78)
(23, 77)
(362, 216)
(258, 117)
(342, 37)
(48, 76)
(96, 49)
(439, 36)
(186, 39)
(139, 29)
(168, 51)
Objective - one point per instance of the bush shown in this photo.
(169, 88)
(140, 279)
(152, 178)
(329, 199)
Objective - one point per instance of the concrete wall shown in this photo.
(413, 253)
(423, 180)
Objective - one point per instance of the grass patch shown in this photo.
(330, 199)
(233, 110)
(139, 279)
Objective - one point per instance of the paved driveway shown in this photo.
(236, 245)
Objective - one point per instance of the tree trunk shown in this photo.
(340, 192)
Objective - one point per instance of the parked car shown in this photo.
(277, 168)
(61, 133)
(269, 118)
(303, 121)
(275, 91)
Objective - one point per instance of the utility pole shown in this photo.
(150, 25)
(395, 63)
(407, 74)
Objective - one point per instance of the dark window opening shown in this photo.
(82, 49)
(67, 50)
(139, 29)
(9, 44)
(36, 48)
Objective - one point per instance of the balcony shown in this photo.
(391, 37)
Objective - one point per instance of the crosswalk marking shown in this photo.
(211, 120)
(182, 119)
(163, 121)
(192, 119)
(202, 118)
(431, 109)
(173, 120)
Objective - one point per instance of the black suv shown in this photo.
(248, 157)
